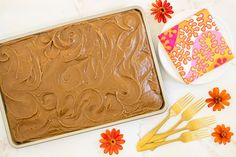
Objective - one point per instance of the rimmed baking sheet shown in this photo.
(156, 66)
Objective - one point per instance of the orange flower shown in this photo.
(161, 10)
(222, 134)
(111, 141)
(218, 99)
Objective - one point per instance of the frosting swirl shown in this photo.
(78, 76)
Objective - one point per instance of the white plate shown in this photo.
(169, 66)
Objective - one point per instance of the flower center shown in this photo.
(218, 99)
(162, 10)
(223, 134)
(113, 141)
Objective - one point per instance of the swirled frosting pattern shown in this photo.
(78, 76)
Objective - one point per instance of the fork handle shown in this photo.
(176, 125)
(163, 136)
(172, 128)
(154, 145)
(151, 133)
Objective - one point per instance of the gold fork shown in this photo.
(184, 137)
(193, 125)
(174, 111)
(191, 111)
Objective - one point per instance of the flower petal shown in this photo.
(115, 149)
(211, 94)
(215, 92)
(224, 140)
(211, 104)
(214, 134)
(218, 107)
(226, 97)
(111, 151)
(169, 11)
(103, 141)
(119, 137)
(164, 19)
(223, 92)
(210, 100)
(159, 3)
(158, 17)
(117, 133)
(113, 131)
(104, 145)
(104, 136)
(164, 3)
(155, 5)
(218, 139)
(108, 133)
(120, 141)
(167, 15)
(229, 134)
(119, 146)
(218, 129)
(226, 103)
(107, 149)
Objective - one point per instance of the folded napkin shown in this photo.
(196, 46)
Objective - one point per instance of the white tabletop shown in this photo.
(21, 16)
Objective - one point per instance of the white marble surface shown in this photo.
(20, 16)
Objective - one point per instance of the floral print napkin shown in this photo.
(196, 46)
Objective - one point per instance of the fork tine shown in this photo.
(195, 135)
(211, 122)
(198, 103)
(201, 133)
(202, 105)
(192, 110)
(199, 106)
(185, 104)
(211, 119)
(194, 105)
(208, 120)
(203, 136)
(187, 101)
(182, 102)
(186, 97)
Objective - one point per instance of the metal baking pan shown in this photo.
(156, 65)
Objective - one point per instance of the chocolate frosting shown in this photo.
(78, 76)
